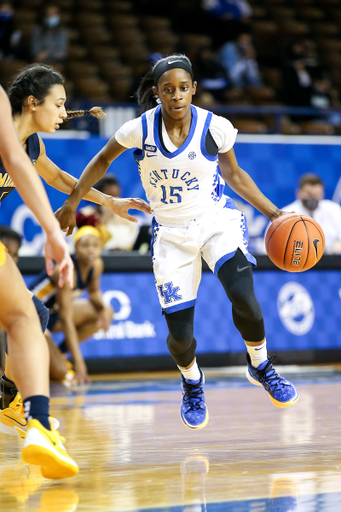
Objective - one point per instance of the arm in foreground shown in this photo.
(30, 187)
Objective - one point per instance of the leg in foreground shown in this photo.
(29, 368)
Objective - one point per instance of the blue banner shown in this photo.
(275, 168)
(301, 312)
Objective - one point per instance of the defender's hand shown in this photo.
(66, 217)
(120, 206)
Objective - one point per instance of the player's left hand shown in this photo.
(120, 206)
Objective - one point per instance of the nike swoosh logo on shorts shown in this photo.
(243, 268)
(172, 61)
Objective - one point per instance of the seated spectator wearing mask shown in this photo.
(310, 201)
(49, 40)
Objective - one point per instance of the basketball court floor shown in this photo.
(136, 455)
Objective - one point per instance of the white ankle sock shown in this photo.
(258, 354)
(191, 373)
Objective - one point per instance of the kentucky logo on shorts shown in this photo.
(169, 292)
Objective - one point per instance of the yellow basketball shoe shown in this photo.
(44, 448)
(12, 419)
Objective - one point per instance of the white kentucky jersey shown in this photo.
(185, 183)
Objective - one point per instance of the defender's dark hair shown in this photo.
(144, 94)
(37, 80)
(108, 179)
(9, 234)
(34, 80)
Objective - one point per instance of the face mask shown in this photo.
(310, 204)
(52, 21)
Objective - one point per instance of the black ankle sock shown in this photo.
(8, 391)
(37, 408)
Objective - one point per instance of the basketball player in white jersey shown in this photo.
(178, 150)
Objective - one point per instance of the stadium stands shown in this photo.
(110, 41)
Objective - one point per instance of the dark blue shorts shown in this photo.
(52, 321)
(43, 312)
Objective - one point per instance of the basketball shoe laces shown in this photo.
(193, 395)
(270, 377)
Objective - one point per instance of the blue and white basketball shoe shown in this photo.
(282, 392)
(193, 411)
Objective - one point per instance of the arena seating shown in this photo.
(110, 41)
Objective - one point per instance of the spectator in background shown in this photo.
(10, 39)
(226, 18)
(77, 318)
(227, 9)
(239, 60)
(49, 40)
(211, 74)
(118, 234)
(300, 68)
(310, 201)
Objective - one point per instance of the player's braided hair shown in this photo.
(36, 80)
(94, 111)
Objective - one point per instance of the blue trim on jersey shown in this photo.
(230, 204)
(230, 255)
(218, 185)
(187, 141)
(155, 229)
(180, 307)
(139, 153)
(203, 139)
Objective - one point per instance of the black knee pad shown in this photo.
(244, 301)
(180, 341)
(43, 312)
(250, 330)
(237, 280)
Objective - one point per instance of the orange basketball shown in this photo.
(294, 242)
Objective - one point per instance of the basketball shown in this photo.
(294, 242)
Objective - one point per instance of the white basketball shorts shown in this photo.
(177, 252)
